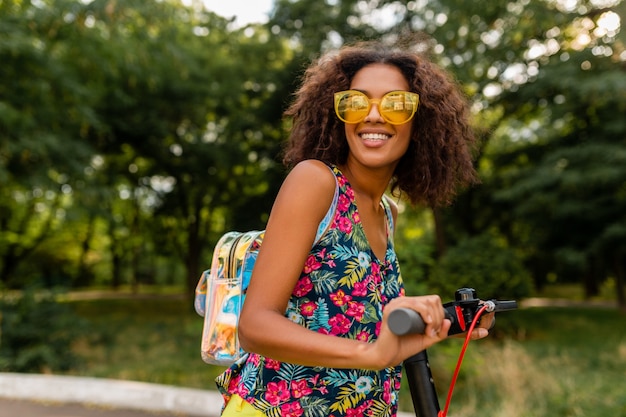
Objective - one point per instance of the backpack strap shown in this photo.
(330, 214)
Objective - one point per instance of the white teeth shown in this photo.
(374, 136)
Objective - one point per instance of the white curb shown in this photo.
(110, 393)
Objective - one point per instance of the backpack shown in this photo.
(221, 290)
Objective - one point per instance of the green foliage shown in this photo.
(415, 248)
(37, 334)
(565, 184)
(486, 264)
(142, 128)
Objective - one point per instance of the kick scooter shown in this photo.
(464, 313)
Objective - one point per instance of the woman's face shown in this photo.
(374, 142)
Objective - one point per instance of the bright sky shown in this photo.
(247, 11)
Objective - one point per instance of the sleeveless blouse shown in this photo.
(341, 291)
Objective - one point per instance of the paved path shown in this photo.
(24, 408)
(34, 395)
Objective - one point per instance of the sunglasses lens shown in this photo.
(398, 107)
(351, 106)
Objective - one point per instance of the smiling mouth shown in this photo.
(375, 136)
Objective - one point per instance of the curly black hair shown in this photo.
(439, 159)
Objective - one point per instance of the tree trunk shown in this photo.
(620, 281)
(85, 276)
(591, 277)
(116, 259)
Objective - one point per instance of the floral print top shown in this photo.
(342, 291)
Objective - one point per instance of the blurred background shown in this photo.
(134, 133)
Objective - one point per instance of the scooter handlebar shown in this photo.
(461, 313)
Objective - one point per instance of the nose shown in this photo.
(374, 116)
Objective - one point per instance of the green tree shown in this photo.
(166, 134)
(42, 144)
(569, 192)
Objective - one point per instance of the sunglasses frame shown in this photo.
(340, 95)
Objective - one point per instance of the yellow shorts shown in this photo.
(238, 407)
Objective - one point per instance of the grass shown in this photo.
(541, 362)
(556, 362)
(152, 339)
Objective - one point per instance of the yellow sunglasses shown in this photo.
(395, 107)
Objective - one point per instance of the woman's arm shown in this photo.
(300, 205)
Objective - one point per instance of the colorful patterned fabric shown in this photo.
(342, 291)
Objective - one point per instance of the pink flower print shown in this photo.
(345, 225)
(234, 384)
(356, 217)
(372, 283)
(311, 264)
(363, 336)
(322, 384)
(277, 392)
(375, 268)
(307, 309)
(356, 310)
(343, 203)
(350, 193)
(272, 364)
(360, 289)
(303, 286)
(293, 409)
(242, 391)
(377, 330)
(300, 388)
(254, 359)
(315, 379)
(340, 298)
(354, 412)
(376, 279)
(387, 392)
(340, 324)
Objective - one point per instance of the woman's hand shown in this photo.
(487, 321)
(390, 349)
(393, 349)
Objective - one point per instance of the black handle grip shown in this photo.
(405, 321)
(505, 305)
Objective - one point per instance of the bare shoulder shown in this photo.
(306, 193)
(314, 172)
(311, 181)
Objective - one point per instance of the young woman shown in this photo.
(366, 119)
